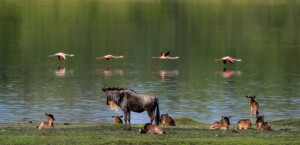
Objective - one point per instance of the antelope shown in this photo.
(166, 120)
(49, 123)
(253, 105)
(223, 124)
(118, 119)
(261, 124)
(244, 124)
(151, 129)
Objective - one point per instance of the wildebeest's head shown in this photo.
(226, 119)
(113, 97)
(259, 118)
(50, 116)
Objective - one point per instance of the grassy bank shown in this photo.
(187, 131)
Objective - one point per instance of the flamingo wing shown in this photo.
(61, 58)
(166, 54)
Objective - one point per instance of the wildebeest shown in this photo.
(151, 129)
(254, 106)
(223, 124)
(117, 120)
(166, 120)
(244, 124)
(261, 124)
(129, 100)
(49, 123)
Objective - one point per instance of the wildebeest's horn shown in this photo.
(104, 89)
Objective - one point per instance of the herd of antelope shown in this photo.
(166, 120)
(224, 123)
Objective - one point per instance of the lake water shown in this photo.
(264, 34)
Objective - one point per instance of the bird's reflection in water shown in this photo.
(60, 71)
(166, 74)
(229, 73)
(108, 72)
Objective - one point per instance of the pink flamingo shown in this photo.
(229, 59)
(107, 57)
(165, 56)
(61, 56)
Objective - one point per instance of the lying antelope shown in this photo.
(118, 119)
(254, 106)
(49, 123)
(261, 124)
(223, 124)
(166, 120)
(244, 124)
(151, 129)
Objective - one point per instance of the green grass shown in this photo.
(187, 131)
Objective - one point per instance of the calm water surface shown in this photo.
(264, 34)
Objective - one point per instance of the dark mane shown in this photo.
(116, 89)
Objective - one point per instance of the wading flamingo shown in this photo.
(61, 56)
(229, 59)
(165, 56)
(107, 57)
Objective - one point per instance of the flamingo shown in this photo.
(165, 56)
(229, 59)
(107, 57)
(61, 56)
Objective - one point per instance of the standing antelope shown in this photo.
(261, 124)
(49, 123)
(244, 124)
(254, 106)
(223, 124)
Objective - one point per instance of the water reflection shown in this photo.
(109, 72)
(60, 71)
(164, 74)
(229, 73)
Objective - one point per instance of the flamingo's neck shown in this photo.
(237, 59)
(69, 55)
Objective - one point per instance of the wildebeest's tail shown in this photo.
(256, 112)
(157, 116)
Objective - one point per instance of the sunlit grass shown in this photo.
(187, 131)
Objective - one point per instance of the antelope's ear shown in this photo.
(222, 116)
(121, 116)
(247, 96)
(46, 114)
(253, 96)
(112, 116)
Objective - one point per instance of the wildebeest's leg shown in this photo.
(127, 118)
(151, 116)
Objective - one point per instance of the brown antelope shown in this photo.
(223, 124)
(254, 106)
(151, 129)
(244, 124)
(261, 124)
(49, 123)
(166, 120)
(118, 119)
